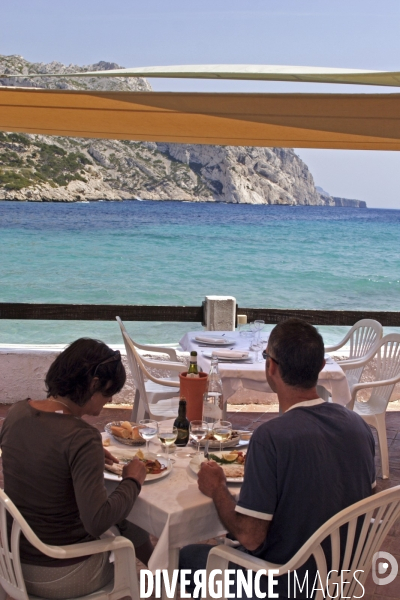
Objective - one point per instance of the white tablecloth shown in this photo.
(171, 508)
(252, 375)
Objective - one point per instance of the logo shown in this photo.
(384, 568)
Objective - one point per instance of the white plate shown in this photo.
(163, 461)
(247, 358)
(214, 444)
(212, 342)
(197, 460)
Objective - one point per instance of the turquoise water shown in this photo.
(176, 253)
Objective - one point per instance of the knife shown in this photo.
(206, 448)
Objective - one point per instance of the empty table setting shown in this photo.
(238, 364)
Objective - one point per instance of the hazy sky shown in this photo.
(361, 34)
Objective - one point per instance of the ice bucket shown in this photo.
(193, 389)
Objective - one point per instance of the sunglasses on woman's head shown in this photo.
(116, 356)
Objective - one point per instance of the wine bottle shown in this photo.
(182, 424)
(193, 370)
(213, 403)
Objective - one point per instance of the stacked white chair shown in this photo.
(378, 514)
(155, 397)
(363, 339)
(12, 583)
(387, 374)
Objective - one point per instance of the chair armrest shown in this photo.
(369, 384)
(171, 352)
(333, 348)
(164, 365)
(109, 544)
(220, 556)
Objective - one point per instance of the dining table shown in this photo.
(171, 508)
(247, 372)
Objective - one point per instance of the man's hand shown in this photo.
(210, 478)
(136, 470)
(109, 459)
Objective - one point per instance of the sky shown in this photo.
(359, 34)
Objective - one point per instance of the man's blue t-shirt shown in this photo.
(301, 469)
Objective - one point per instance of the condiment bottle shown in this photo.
(182, 424)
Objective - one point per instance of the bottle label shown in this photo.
(193, 375)
(182, 437)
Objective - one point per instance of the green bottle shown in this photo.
(193, 370)
(182, 424)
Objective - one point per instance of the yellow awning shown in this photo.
(339, 121)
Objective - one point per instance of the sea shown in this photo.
(176, 253)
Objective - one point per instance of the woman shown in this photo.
(53, 465)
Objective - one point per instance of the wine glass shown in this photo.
(198, 431)
(147, 430)
(167, 435)
(222, 431)
(259, 325)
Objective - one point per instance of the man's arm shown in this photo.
(249, 531)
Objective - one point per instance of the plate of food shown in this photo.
(156, 467)
(125, 432)
(232, 464)
(213, 340)
(213, 443)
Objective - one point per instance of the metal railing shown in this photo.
(108, 312)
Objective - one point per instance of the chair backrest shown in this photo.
(370, 520)
(387, 367)
(137, 373)
(363, 337)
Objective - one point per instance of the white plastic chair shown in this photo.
(169, 349)
(364, 338)
(154, 397)
(357, 555)
(386, 376)
(125, 581)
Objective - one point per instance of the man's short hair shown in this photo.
(299, 349)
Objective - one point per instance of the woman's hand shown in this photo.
(136, 470)
(109, 459)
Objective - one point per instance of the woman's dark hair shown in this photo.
(73, 371)
(299, 349)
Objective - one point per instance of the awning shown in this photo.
(339, 121)
(244, 72)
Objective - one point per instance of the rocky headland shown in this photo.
(59, 169)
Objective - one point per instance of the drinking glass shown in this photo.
(148, 430)
(167, 435)
(198, 431)
(222, 431)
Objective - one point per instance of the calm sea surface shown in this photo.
(176, 253)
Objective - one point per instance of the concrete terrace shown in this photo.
(251, 416)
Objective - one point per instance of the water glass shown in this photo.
(148, 429)
(198, 431)
(222, 431)
(167, 435)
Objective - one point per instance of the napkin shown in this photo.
(230, 354)
(210, 340)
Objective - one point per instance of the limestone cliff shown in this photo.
(43, 168)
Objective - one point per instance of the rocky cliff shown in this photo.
(43, 168)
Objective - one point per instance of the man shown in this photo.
(302, 468)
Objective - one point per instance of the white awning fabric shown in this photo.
(340, 121)
(248, 72)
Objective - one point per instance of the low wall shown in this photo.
(23, 369)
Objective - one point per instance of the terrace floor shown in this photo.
(251, 416)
